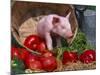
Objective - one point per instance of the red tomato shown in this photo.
(41, 47)
(23, 53)
(30, 40)
(47, 53)
(69, 57)
(32, 62)
(88, 56)
(34, 47)
(14, 53)
(49, 63)
(35, 65)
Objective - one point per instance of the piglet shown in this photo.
(58, 25)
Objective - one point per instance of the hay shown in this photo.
(79, 66)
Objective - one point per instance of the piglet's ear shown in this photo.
(68, 15)
(55, 20)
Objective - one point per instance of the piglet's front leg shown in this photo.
(48, 41)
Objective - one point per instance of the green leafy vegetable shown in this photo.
(80, 43)
(17, 66)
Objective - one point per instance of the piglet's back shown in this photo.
(45, 24)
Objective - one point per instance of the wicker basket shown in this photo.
(25, 16)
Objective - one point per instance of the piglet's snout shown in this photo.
(69, 35)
